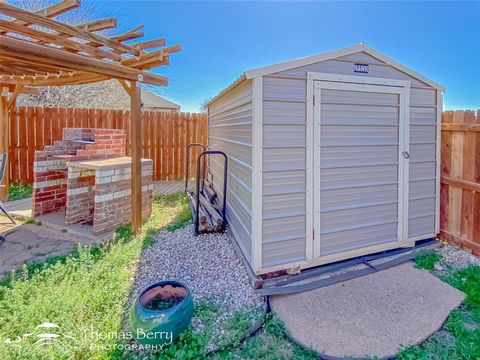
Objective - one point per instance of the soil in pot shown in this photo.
(163, 297)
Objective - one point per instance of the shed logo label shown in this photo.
(360, 68)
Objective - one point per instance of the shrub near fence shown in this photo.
(165, 136)
(460, 188)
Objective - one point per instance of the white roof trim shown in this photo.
(266, 70)
(240, 79)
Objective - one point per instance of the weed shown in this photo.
(427, 261)
(274, 325)
(18, 191)
(29, 221)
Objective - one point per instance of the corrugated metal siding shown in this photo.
(369, 205)
(354, 177)
(363, 173)
(230, 130)
(284, 164)
(421, 218)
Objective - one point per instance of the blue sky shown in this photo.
(220, 40)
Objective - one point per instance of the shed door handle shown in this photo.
(406, 154)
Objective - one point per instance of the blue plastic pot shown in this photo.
(160, 313)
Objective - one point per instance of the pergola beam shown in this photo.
(52, 38)
(42, 55)
(126, 85)
(153, 56)
(64, 28)
(150, 44)
(21, 64)
(59, 8)
(12, 69)
(97, 25)
(53, 10)
(13, 98)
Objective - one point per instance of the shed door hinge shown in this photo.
(313, 100)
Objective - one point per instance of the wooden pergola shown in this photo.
(38, 50)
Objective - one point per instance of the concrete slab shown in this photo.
(371, 316)
(19, 208)
(30, 243)
(56, 222)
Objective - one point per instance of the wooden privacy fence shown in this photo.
(460, 189)
(164, 137)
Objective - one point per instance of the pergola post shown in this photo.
(136, 154)
(4, 140)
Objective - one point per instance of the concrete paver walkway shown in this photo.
(29, 243)
(374, 315)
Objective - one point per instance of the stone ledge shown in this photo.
(107, 164)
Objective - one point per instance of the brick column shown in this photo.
(49, 186)
(80, 196)
(113, 194)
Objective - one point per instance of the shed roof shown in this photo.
(266, 70)
(291, 64)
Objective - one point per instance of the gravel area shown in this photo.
(207, 264)
(215, 275)
(456, 258)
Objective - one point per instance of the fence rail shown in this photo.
(460, 188)
(165, 136)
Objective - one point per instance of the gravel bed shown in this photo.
(456, 258)
(215, 275)
(207, 264)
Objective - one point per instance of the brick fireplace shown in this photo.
(86, 176)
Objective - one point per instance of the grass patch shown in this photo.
(18, 191)
(81, 292)
(30, 221)
(85, 293)
(427, 261)
(184, 214)
(270, 343)
(460, 337)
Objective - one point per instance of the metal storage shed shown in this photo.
(332, 156)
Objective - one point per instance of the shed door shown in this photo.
(360, 174)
